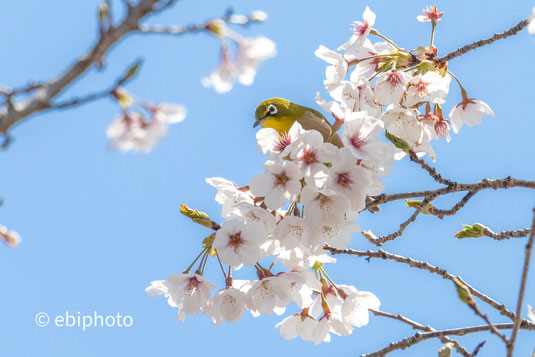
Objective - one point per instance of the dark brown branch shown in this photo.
(381, 240)
(381, 254)
(523, 281)
(419, 337)
(484, 184)
(487, 41)
(417, 326)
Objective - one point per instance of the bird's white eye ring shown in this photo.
(272, 110)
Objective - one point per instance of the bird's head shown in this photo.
(272, 111)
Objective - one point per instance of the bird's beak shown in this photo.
(258, 122)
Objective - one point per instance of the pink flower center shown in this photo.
(441, 129)
(280, 179)
(344, 180)
(359, 28)
(429, 118)
(393, 78)
(323, 200)
(421, 87)
(309, 157)
(283, 141)
(235, 240)
(356, 142)
(193, 283)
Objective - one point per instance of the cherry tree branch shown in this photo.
(523, 281)
(519, 233)
(417, 326)
(450, 212)
(431, 170)
(419, 337)
(484, 184)
(493, 328)
(49, 90)
(487, 41)
(43, 93)
(381, 240)
(381, 254)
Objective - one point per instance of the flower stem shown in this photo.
(463, 91)
(377, 33)
(198, 256)
(221, 265)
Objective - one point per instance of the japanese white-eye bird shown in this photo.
(280, 114)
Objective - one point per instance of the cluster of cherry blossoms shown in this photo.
(141, 124)
(311, 191)
(402, 90)
(249, 55)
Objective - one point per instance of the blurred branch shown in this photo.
(487, 41)
(523, 281)
(179, 30)
(47, 91)
(381, 254)
(128, 75)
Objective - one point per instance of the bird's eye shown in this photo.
(272, 110)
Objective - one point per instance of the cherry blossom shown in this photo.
(11, 238)
(189, 292)
(279, 184)
(302, 325)
(310, 155)
(323, 205)
(349, 179)
(228, 194)
(469, 112)
(239, 242)
(227, 304)
(360, 30)
(278, 146)
(531, 313)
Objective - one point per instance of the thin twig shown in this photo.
(431, 170)
(419, 337)
(484, 184)
(450, 212)
(418, 326)
(493, 328)
(487, 41)
(381, 254)
(523, 281)
(181, 30)
(381, 240)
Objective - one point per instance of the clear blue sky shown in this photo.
(98, 226)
